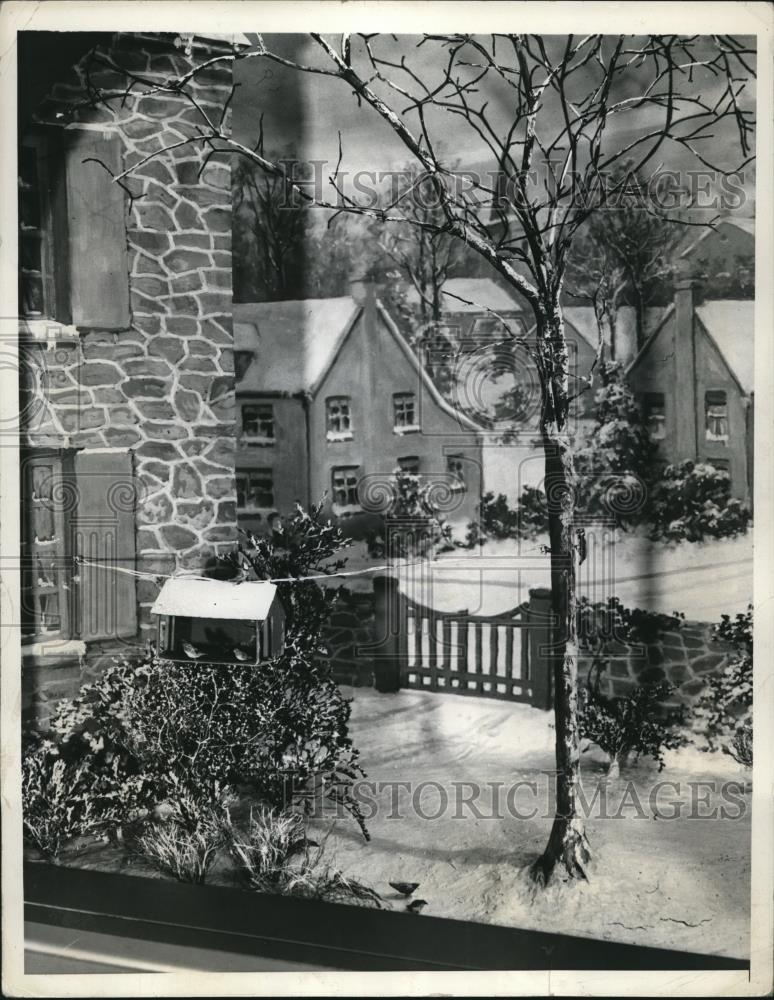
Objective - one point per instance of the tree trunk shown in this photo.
(567, 845)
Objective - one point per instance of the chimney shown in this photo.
(683, 388)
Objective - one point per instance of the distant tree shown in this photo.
(624, 254)
(424, 254)
(271, 224)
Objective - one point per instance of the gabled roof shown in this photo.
(483, 292)
(730, 323)
(189, 598)
(745, 225)
(295, 344)
(296, 341)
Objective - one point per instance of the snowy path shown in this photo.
(667, 883)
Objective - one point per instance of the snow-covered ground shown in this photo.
(671, 883)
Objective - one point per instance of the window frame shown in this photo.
(648, 403)
(399, 408)
(346, 506)
(257, 440)
(46, 144)
(246, 475)
(709, 434)
(59, 461)
(458, 482)
(340, 434)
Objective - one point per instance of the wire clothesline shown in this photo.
(140, 575)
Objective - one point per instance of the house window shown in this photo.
(255, 489)
(721, 464)
(409, 464)
(242, 361)
(456, 469)
(655, 415)
(344, 481)
(257, 424)
(716, 408)
(36, 272)
(338, 418)
(43, 550)
(404, 412)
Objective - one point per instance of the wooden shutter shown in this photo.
(96, 230)
(105, 526)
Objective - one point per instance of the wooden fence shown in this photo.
(492, 656)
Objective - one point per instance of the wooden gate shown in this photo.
(467, 654)
(491, 656)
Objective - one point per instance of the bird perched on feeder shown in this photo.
(417, 905)
(191, 651)
(241, 654)
(404, 888)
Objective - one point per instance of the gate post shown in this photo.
(391, 634)
(540, 644)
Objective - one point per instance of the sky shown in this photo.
(307, 111)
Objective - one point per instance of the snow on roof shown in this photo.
(296, 341)
(247, 601)
(584, 321)
(730, 323)
(693, 241)
(483, 292)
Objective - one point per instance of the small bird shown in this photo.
(417, 906)
(191, 651)
(404, 888)
(240, 654)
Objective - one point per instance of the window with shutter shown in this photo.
(104, 541)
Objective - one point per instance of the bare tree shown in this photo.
(624, 253)
(270, 229)
(558, 115)
(426, 254)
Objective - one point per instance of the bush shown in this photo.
(55, 796)
(186, 843)
(634, 723)
(726, 707)
(275, 855)
(693, 502)
(150, 731)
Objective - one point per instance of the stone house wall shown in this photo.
(162, 389)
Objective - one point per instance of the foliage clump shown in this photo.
(150, 731)
(693, 501)
(726, 707)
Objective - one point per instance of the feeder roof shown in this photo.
(248, 601)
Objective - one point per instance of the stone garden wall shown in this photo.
(684, 657)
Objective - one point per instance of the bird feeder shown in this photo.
(214, 621)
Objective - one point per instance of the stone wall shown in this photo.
(164, 387)
(351, 631)
(684, 657)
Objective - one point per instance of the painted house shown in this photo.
(470, 309)
(694, 378)
(722, 257)
(331, 400)
(125, 341)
